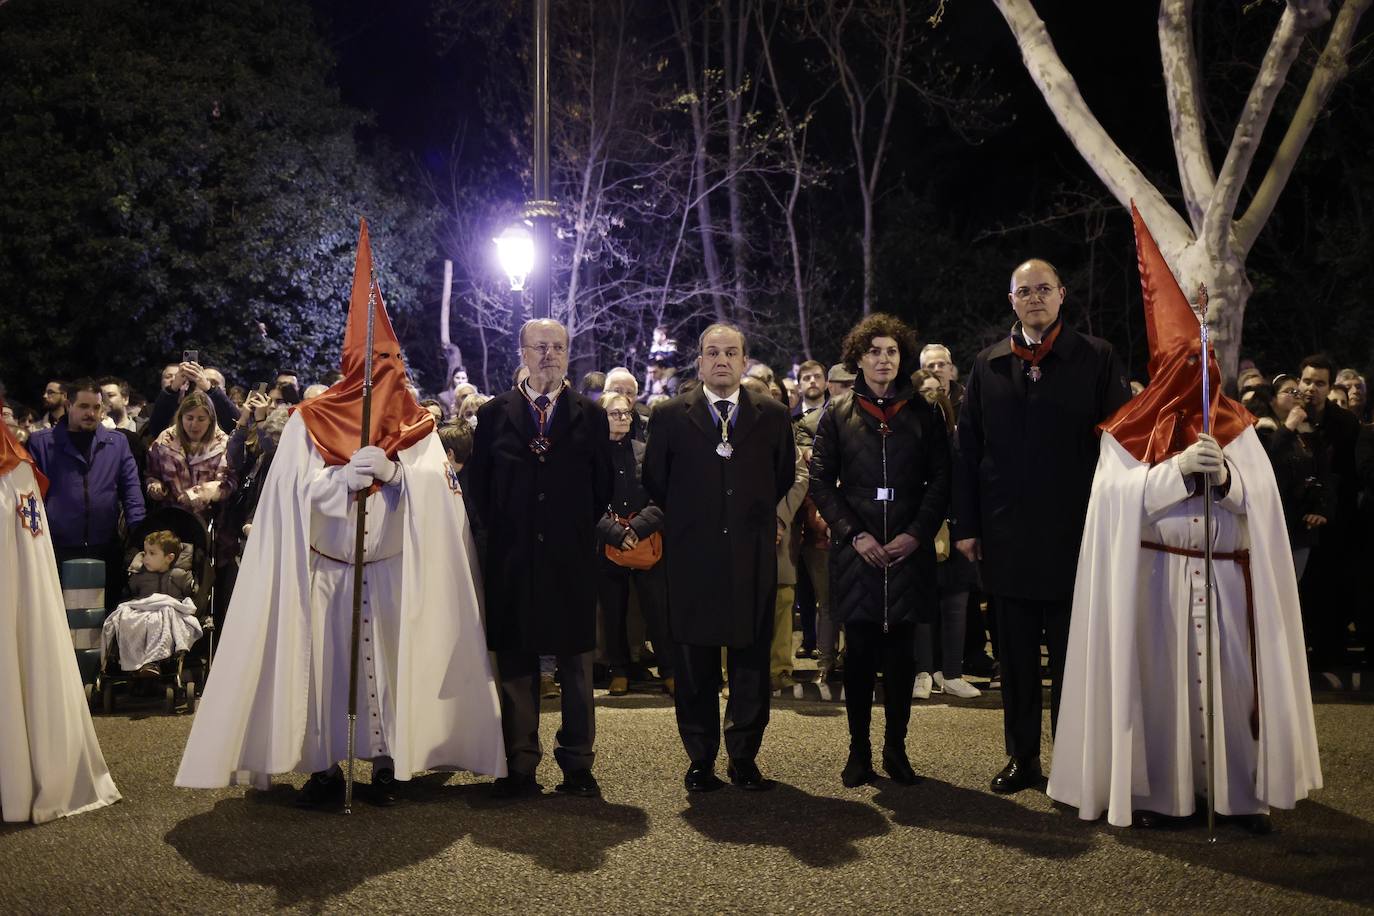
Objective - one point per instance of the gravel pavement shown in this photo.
(810, 845)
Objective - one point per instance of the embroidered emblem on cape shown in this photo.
(29, 518)
(452, 476)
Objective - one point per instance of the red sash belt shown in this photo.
(321, 553)
(1242, 558)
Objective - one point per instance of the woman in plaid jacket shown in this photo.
(188, 463)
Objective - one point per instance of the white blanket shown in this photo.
(150, 629)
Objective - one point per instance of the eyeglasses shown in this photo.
(546, 349)
(1024, 292)
(620, 414)
(1288, 391)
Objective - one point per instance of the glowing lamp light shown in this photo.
(515, 251)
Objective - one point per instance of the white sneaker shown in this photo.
(957, 687)
(922, 689)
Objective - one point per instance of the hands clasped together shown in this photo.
(1204, 457)
(369, 463)
(883, 555)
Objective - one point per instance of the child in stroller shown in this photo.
(159, 618)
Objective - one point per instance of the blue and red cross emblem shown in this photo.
(29, 517)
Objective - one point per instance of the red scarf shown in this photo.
(1040, 351)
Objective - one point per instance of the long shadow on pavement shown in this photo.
(261, 838)
(1313, 849)
(787, 817)
(936, 805)
(556, 832)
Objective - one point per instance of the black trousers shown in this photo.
(697, 698)
(870, 650)
(1021, 624)
(518, 683)
(613, 604)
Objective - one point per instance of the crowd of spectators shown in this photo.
(205, 445)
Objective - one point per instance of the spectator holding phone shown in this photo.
(179, 380)
(188, 464)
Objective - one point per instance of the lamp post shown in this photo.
(541, 210)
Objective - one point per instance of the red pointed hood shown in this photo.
(1166, 417)
(335, 418)
(12, 452)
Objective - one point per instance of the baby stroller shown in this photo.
(181, 675)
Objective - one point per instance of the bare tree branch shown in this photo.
(1330, 70)
(1113, 167)
(1298, 18)
(1179, 56)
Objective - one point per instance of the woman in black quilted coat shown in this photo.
(880, 476)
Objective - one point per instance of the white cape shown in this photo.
(267, 671)
(50, 761)
(1101, 760)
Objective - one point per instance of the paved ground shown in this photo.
(810, 845)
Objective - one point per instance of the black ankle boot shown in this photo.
(898, 767)
(858, 769)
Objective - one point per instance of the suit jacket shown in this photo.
(536, 516)
(720, 515)
(1027, 453)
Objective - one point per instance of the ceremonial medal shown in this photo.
(1035, 373)
(725, 450)
(539, 445)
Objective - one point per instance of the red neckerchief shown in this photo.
(881, 414)
(1036, 354)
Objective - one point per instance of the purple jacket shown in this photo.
(84, 498)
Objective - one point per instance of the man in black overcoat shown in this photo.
(1028, 448)
(540, 476)
(718, 461)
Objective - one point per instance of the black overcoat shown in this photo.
(1027, 452)
(537, 517)
(847, 468)
(720, 515)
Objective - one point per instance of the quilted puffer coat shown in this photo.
(862, 480)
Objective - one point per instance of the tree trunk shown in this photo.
(453, 356)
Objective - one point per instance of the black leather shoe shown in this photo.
(898, 768)
(1146, 820)
(516, 785)
(580, 783)
(382, 791)
(1258, 824)
(1017, 775)
(701, 778)
(858, 770)
(321, 791)
(745, 774)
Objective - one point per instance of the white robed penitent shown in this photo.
(1131, 730)
(276, 700)
(50, 761)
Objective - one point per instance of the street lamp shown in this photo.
(515, 251)
(541, 210)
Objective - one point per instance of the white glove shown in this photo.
(1204, 457)
(369, 463)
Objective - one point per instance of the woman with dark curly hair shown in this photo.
(880, 476)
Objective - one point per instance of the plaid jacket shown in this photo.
(179, 472)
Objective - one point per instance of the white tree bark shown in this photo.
(1210, 247)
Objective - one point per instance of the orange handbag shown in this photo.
(643, 555)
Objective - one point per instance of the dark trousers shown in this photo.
(869, 650)
(806, 606)
(697, 699)
(518, 677)
(613, 604)
(1021, 624)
